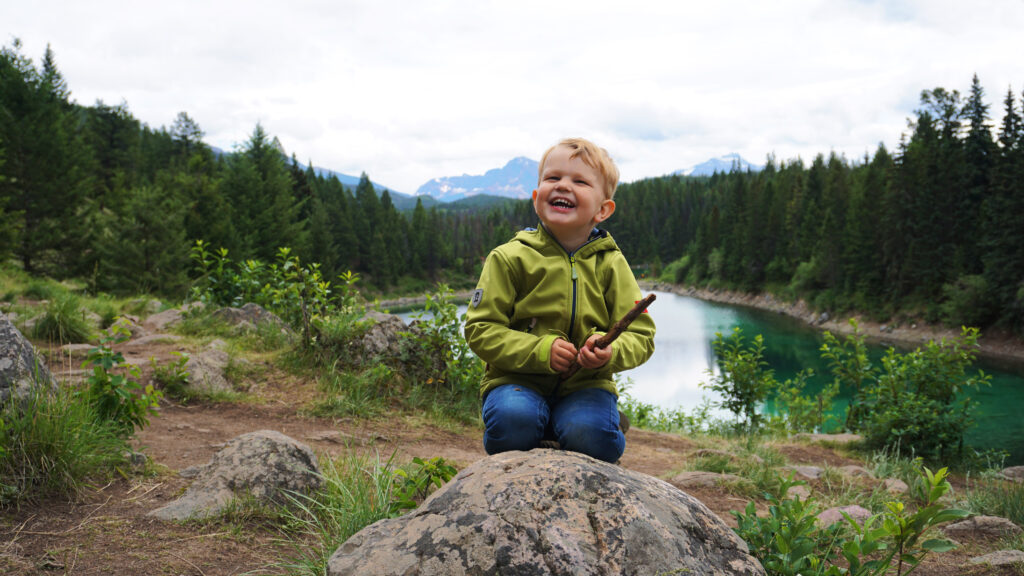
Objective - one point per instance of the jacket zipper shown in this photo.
(572, 316)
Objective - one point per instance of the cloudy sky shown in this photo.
(408, 91)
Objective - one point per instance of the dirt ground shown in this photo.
(106, 531)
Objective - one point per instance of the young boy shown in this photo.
(543, 299)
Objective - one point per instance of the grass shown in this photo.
(64, 321)
(356, 492)
(996, 497)
(54, 445)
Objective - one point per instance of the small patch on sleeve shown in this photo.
(478, 295)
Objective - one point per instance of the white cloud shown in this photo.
(407, 91)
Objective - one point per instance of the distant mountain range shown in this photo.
(517, 179)
(727, 163)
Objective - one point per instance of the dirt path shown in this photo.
(107, 530)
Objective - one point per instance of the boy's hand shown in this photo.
(562, 355)
(591, 356)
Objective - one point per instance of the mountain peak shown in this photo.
(725, 163)
(516, 179)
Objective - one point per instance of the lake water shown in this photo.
(683, 356)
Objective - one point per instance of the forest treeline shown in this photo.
(935, 227)
(90, 192)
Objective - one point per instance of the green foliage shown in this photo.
(996, 497)
(788, 541)
(52, 445)
(804, 413)
(744, 380)
(113, 389)
(651, 417)
(848, 360)
(967, 301)
(63, 321)
(915, 401)
(173, 377)
(439, 352)
(414, 482)
(364, 393)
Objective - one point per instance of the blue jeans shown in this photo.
(586, 421)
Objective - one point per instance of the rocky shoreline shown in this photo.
(1002, 349)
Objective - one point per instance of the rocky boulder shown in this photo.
(21, 369)
(548, 512)
(383, 337)
(258, 464)
(206, 370)
(248, 316)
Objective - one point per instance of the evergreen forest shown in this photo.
(934, 228)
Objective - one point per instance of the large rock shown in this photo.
(248, 316)
(258, 464)
(206, 371)
(982, 526)
(21, 369)
(548, 512)
(383, 337)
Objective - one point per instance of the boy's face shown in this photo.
(570, 198)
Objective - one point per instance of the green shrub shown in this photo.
(63, 321)
(744, 379)
(173, 377)
(113, 389)
(52, 445)
(788, 541)
(41, 289)
(967, 302)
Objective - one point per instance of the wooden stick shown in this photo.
(613, 333)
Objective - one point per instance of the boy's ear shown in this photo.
(605, 212)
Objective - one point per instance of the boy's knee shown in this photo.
(598, 442)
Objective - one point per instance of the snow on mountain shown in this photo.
(726, 163)
(517, 179)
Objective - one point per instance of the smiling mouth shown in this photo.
(562, 203)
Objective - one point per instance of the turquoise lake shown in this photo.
(683, 356)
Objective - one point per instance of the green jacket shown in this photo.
(531, 291)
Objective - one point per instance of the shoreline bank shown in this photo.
(997, 348)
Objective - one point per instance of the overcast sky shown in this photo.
(408, 91)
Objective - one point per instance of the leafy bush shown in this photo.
(967, 302)
(52, 444)
(437, 360)
(788, 541)
(744, 379)
(802, 413)
(64, 321)
(413, 483)
(117, 397)
(173, 378)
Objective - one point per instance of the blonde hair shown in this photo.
(593, 156)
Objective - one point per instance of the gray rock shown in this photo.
(830, 438)
(382, 338)
(1015, 473)
(696, 478)
(1000, 558)
(982, 526)
(809, 472)
(548, 512)
(22, 370)
(833, 515)
(249, 316)
(258, 464)
(800, 491)
(895, 486)
(206, 371)
(856, 471)
(162, 320)
(131, 325)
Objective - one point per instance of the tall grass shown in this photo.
(64, 321)
(53, 445)
(996, 497)
(356, 492)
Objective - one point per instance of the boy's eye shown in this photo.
(583, 182)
